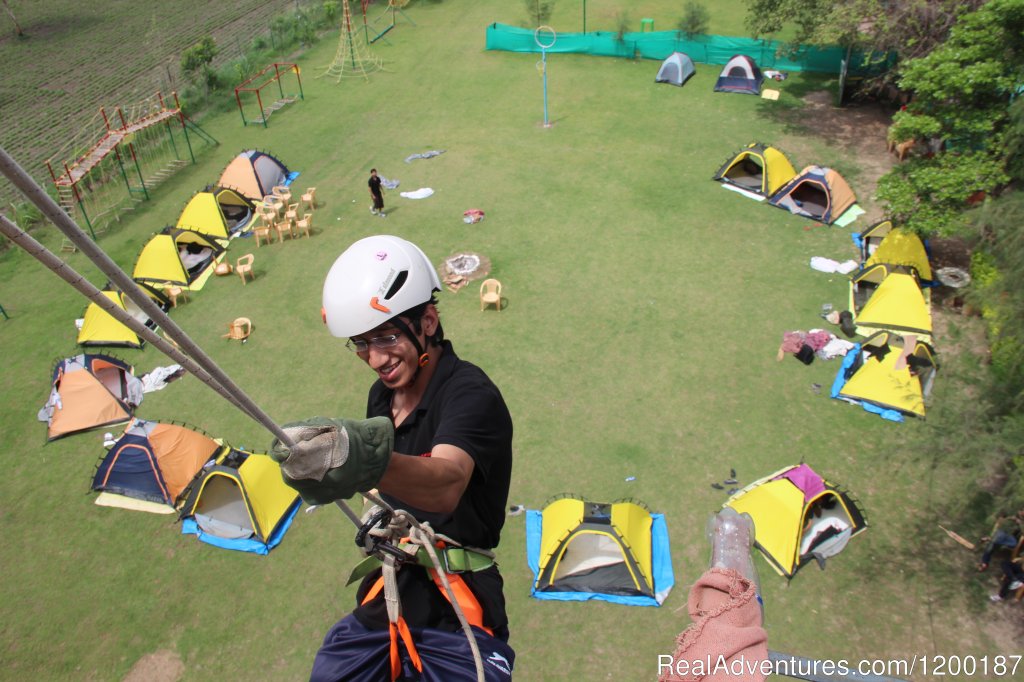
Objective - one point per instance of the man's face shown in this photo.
(394, 356)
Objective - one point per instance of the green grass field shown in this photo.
(645, 306)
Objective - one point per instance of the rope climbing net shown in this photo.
(353, 59)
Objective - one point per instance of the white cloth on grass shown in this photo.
(828, 265)
(421, 193)
(157, 379)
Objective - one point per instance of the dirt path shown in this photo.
(858, 129)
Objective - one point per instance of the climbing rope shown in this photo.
(83, 286)
(379, 536)
(210, 373)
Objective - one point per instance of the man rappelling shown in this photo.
(437, 445)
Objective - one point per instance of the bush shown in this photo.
(538, 12)
(695, 19)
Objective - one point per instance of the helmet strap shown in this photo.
(423, 359)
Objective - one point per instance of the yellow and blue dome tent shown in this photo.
(799, 517)
(219, 212)
(180, 257)
(99, 328)
(615, 552)
(889, 297)
(888, 375)
(883, 244)
(240, 502)
(758, 169)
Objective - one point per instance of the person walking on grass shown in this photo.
(437, 442)
(377, 194)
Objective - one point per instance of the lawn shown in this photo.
(637, 350)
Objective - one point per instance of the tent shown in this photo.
(152, 462)
(89, 391)
(676, 69)
(798, 517)
(180, 257)
(889, 297)
(889, 375)
(239, 502)
(218, 212)
(253, 174)
(614, 552)
(99, 328)
(867, 241)
(896, 247)
(816, 193)
(757, 168)
(740, 74)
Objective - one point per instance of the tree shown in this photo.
(539, 11)
(912, 28)
(695, 19)
(196, 60)
(961, 94)
(17, 27)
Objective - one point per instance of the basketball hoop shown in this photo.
(545, 38)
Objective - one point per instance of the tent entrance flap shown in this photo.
(748, 173)
(806, 199)
(587, 552)
(222, 510)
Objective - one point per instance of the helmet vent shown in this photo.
(396, 286)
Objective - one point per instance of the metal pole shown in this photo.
(544, 61)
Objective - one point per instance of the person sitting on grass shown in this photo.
(1006, 533)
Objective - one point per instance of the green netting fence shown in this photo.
(768, 54)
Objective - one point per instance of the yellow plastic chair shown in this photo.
(264, 232)
(490, 294)
(306, 224)
(243, 266)
(174, 292)
(239, 330)
(309, 198)
(285, 226)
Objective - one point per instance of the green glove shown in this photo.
(333, 459)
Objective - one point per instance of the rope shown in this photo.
(403, 524)
(216, 379)
(83, 286)
(49, 208)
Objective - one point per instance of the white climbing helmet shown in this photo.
(374, 280)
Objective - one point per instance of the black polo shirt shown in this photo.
(460, 407)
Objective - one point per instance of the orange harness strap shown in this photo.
(400, 629)
(468, 602)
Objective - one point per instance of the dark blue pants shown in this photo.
(352, 652)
